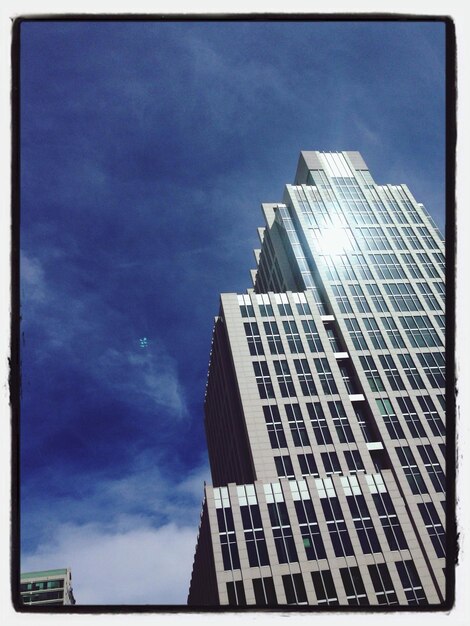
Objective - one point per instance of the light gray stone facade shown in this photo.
(325, 405)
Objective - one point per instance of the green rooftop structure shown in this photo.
(51, 587)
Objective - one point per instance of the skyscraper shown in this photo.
(325, 405)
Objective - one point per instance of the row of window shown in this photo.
(46, 584)
(375, 238)
(266, 308)
(341, 423)
(433, 365)
(325, 590)
(354, 205)
(285, 381)
(308, 465)
(282, 532)
(413, 473)
(274, 340)
(42, 596)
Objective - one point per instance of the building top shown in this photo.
(45, 573)
(342, 162)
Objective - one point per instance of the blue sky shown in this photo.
(146, 150)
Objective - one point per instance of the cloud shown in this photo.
(78, 327)
(146, 375)
(33, 280)
(128, 540)
(134, 564)
(150, 490)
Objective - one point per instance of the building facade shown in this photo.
(325, 404)
(47, 588)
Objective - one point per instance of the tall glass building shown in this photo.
(325, 404)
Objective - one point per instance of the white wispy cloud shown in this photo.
(128, 540)
(130, 564)
(75, 326)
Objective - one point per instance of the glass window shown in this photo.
(353, 585)
(383, 586)
(387, 266)
(377, 298)
(263, 380)
(325, 376)
(429, 297)
(394, 234)
(305, 377)
(265, 593)
(346, 374)
(333, 338)
(421, 333)
(411, 417)
(410, 468)
(228, 540)
(308, 524)
(331, 463)
(273, 337)
(341, 298)
(439, 259)
(390, 419)
(411, 583)
(364, 423)
(284, 308)
(255, 540)
(411, 371)
(284, 379)
(391, 372)
(297, 425)
(403, 297)
(356, 334)
(336, 525)
(372, 238)
(433, 467)
(253, 337)
(431, 415)
(361, 266)
(354, 461)
(293, 337)
(428, 266)
(264, 305)
(363, 523)
(282, 532)
(324, 587)
(308, 466)
(428, 239)
(359, 299)
(341, 422)
(301, 304)
(372, 374)
(389, 520)
(294, 588)
(313, 338)
(246, 307)
(434, 527)
(412, 238)
(433, 364)
(411, 265)
(393, 333)
(319, 423)
(284, 466)
(374, 333)
(274, 426)
(236, 593)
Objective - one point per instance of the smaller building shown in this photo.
(48, 588)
